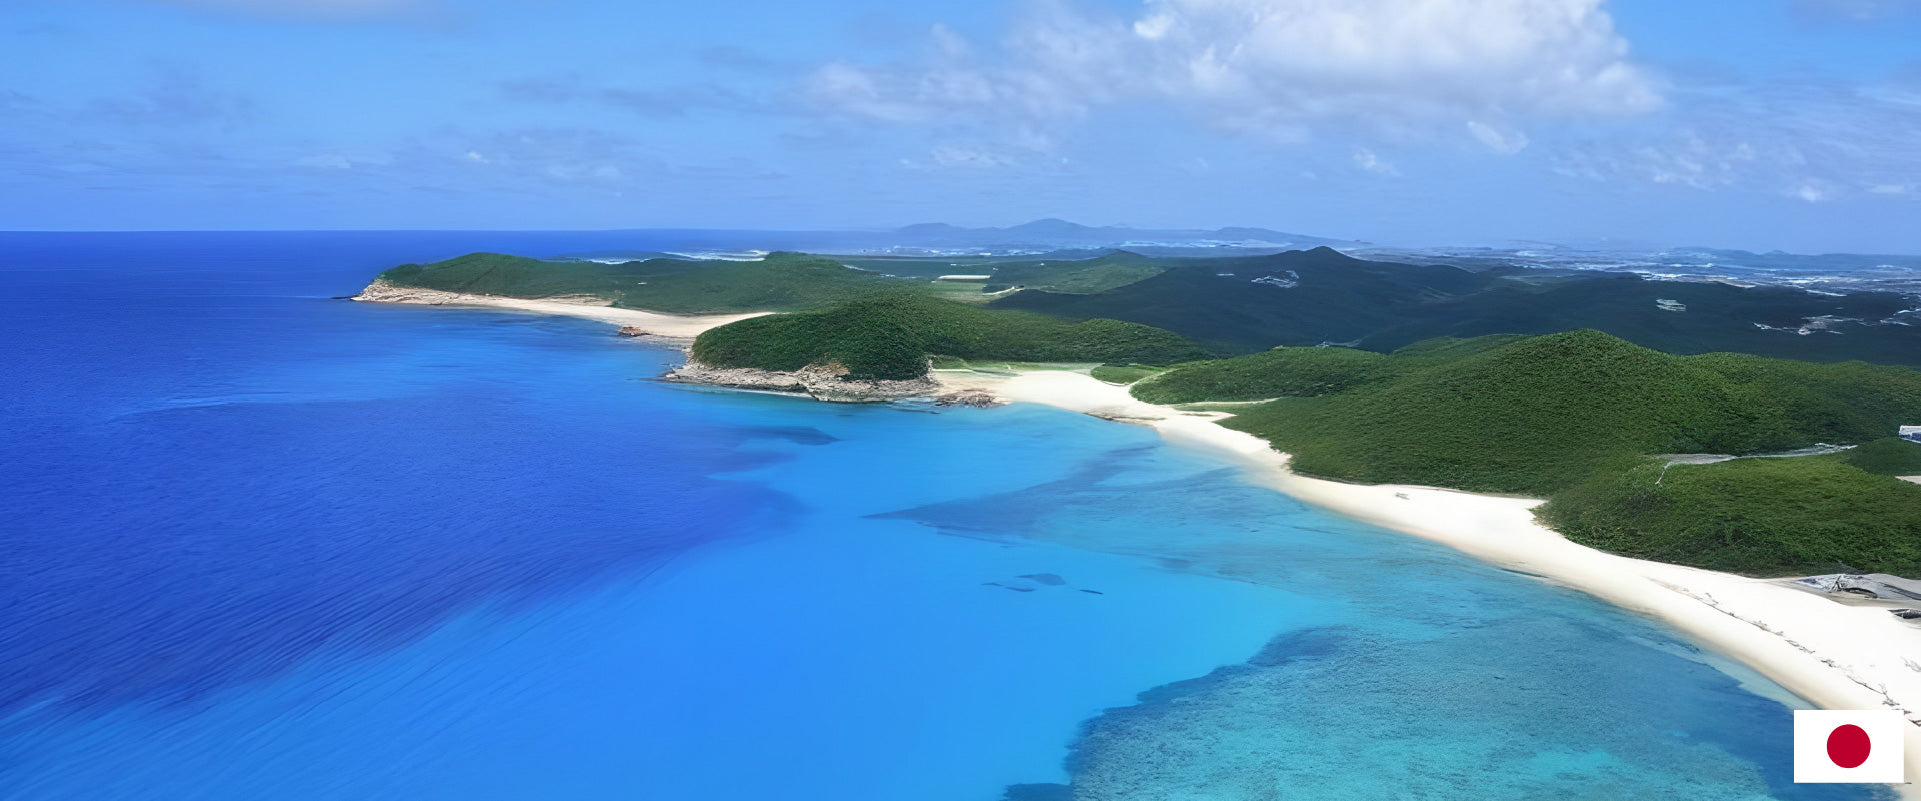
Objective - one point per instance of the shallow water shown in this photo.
(256, 542)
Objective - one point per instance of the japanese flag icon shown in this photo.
(1849, 746)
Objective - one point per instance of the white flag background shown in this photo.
(1816, 730)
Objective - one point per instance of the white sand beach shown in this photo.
(1835, 655)
(657, 324)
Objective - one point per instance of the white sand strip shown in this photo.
(677, 326)
(1835, 655)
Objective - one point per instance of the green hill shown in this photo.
(1301, 372)
(1575, 417)
(890, 335)
(781, 281)
(1247, 304)
(1757, 516)
(1074, 276)
(1538, 414)
(1244, 304)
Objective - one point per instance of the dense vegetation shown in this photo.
(782, 281)
(1888, 456)
(890, 335)
(1313, 297)
(1299, 372)
(1575, 417)
(1802, 515)
(1248, 304)
(1539, 414)
(1074, 276)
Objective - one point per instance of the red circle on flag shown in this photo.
(1848, 746)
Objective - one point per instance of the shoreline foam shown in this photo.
(1835, 656)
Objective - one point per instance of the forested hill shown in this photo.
(1322, 296)
(1585, 420)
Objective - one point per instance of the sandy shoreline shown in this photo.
(655, 324)
(1834, 655)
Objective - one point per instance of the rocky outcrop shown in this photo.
(382, 292)
(1872, 585)
(817, 381)
(971, 398)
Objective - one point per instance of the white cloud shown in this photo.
(1813, 140)
(1498, 139)
(1812, 192)
(1279, 68)
(961, 156)
(1367, 160)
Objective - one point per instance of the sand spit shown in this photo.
(634, 322)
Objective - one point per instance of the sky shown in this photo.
(1756, 124)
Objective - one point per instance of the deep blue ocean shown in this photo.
(260, 543)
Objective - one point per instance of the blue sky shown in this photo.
(1762, 124)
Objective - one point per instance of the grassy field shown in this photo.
(780, 282)
(892, 334)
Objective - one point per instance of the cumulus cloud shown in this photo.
(1370, 161)
(1279, 68)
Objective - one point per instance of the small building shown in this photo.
(1910, 433)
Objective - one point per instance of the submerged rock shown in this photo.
(971, 398)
